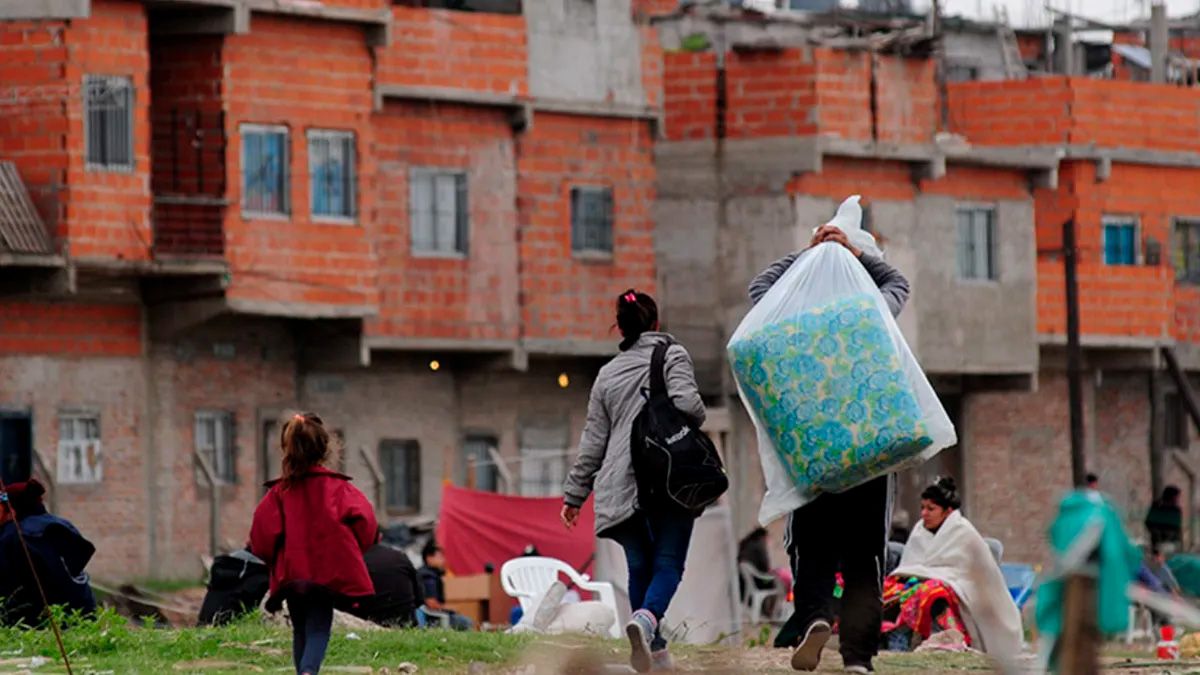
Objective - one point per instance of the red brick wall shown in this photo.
(260, 378)
(459, 50)
(690, 95)
(188, 150)
(566, 297)
(1130, 301)
(303, 75)
(1126, 301)
(112, 514)
(652, 65)
(906, 100)
(1187, 313)
(1077, 110)
(770, 94)
(645, 9)
(1018, 464)
(108, 215)
(473, 297)
(1018, 456)
(1011, 112)
(840, 177)
(33, 118)
(975, 182)
(74, 329)
(844, 93)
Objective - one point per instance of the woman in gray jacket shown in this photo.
(655, 541)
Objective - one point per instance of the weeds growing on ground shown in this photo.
(110, 643)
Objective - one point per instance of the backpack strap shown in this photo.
(658, 370)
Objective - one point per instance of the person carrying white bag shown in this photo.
(830, 528)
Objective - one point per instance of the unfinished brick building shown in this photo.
(767, 130)
(412, 220)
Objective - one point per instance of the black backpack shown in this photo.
(675, 464)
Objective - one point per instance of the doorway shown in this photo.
(16, 446)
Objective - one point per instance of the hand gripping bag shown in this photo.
(836, 396)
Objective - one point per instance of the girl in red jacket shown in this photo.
(312, 528)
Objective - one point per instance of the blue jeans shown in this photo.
(312, 621)
(656, 547)
(457, 621)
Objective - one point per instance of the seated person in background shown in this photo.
(433, 591)
(753, 551)
(398, 594)
(948, 578)
(59, 553)
(1092, 481)
(1164, 522)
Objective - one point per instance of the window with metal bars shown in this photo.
(438, 212)
(332, 175)
(1185, 251)
(977, 243)
(214, 442)
(400, 461)
(592, 220)
(108, 121)
(265, 169)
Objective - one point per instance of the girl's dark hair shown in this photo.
(305, 444)
(637, 313)
(944, 493)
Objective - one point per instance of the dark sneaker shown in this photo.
(640, 630)
(859, 668)
(808, 654)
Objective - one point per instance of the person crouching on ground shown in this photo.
(655, 542)
(844, 531)
(59, 551)
(311, 529)
(430, 577)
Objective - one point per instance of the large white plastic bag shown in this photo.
(836, 396)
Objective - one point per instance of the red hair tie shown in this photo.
(298, 417)
(631, 297)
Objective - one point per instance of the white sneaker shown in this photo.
(808, 654)
(640, 630)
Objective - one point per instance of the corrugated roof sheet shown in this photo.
(21, 228)
(1135, 54)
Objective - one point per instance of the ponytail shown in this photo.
(637, 313)
(305, 444)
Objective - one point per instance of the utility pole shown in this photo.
(1074, 353)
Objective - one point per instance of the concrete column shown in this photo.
(1159, 42)
(1064, 54)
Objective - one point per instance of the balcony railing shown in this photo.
(188, 179)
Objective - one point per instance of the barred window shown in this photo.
(592, 220)
(79, 456)
(265, 169)
(400, 461)
(331, 169)
(108, 121)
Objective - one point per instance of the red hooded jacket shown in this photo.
(313, 534)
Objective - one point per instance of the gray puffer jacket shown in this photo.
(604, 464)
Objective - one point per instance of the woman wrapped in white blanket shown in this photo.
(947, 578)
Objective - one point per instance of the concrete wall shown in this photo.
(980, 51)
(584, 51)
(966, 326)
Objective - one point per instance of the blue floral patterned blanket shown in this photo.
(829, 386)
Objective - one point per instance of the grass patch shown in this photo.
(110, 644)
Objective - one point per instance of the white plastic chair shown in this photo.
(527, 579)
(757, 597)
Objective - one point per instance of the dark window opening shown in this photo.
(400, 461)
(489, 6)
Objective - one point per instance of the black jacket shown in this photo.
(397, 591)
(60, 554)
